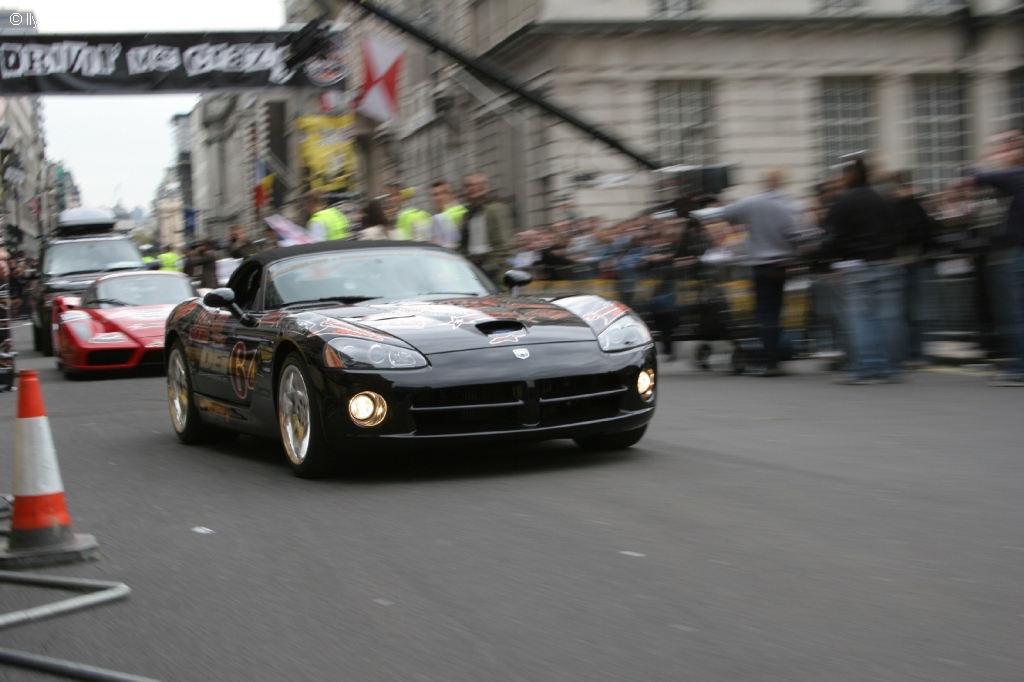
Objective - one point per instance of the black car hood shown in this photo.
(459, 324)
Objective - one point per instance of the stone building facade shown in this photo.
(23, 152)
(797, 83)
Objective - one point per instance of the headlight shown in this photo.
(645, 383)
(624, 333)
(346, 353)
(80, 328)
(86, 329)
(109, 337)
(367, 408)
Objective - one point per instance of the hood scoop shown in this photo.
(492, 327)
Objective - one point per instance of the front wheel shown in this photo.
(181, 400)
(702, 356)
(612, 441)
(42, 339)
(298, 415)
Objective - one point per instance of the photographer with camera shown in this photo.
(238, 245)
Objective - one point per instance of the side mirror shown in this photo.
(225, 298)
(515, 279)
(153, 265)
(220, 298)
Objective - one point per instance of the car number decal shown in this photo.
(242, 368)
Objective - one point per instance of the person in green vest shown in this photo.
(411, 223)
(169, 260)
(325, 223)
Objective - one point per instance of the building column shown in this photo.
(988, 96)
(895, 147)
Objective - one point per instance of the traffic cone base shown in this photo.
(79, 548)
(40, 532)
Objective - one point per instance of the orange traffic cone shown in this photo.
(40, 525)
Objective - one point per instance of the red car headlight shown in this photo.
(93, 332)
(82, 329)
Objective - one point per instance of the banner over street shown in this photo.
(137, 63)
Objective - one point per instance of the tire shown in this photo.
(612, 441)
(298, 417)
(68, 374)
(188, 425)
(45, 341)
(702, 356)
(743, 355)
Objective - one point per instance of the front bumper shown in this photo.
(82, 356)
(562, 390)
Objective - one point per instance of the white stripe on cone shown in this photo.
(35, 458)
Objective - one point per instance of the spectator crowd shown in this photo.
(872, 245)
(870, 242)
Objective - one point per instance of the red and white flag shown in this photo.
(382, 63)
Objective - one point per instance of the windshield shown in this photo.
(95, 255)
(143, 290)
(372, 274)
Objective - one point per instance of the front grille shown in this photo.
(99, 358)
(579, 410)
(444, 422)
(512, 406)
(473, 395)
(566, 387)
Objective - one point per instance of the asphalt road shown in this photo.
(765, 529)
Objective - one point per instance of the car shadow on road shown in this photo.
(112, 374)
(434, 463)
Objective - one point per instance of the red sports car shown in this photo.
(118, 322)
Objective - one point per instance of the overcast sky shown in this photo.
(117, 147)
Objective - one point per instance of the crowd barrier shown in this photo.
(638, 294)
(945, 307)
(7, 353)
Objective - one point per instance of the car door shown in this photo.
(208, 335)
(240, 344)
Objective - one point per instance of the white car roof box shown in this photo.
(76, 221)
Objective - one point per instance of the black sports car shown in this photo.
(341, 348)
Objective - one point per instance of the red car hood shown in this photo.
(144, 324)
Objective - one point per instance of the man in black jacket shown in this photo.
(1006, 262)
(861, 241)
(914, 229)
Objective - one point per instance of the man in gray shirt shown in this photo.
(772, 236)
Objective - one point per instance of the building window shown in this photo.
(1015, 108)
(840, 5)
(670, 9)
(849, 118)
(684, 122)
(940, 129)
